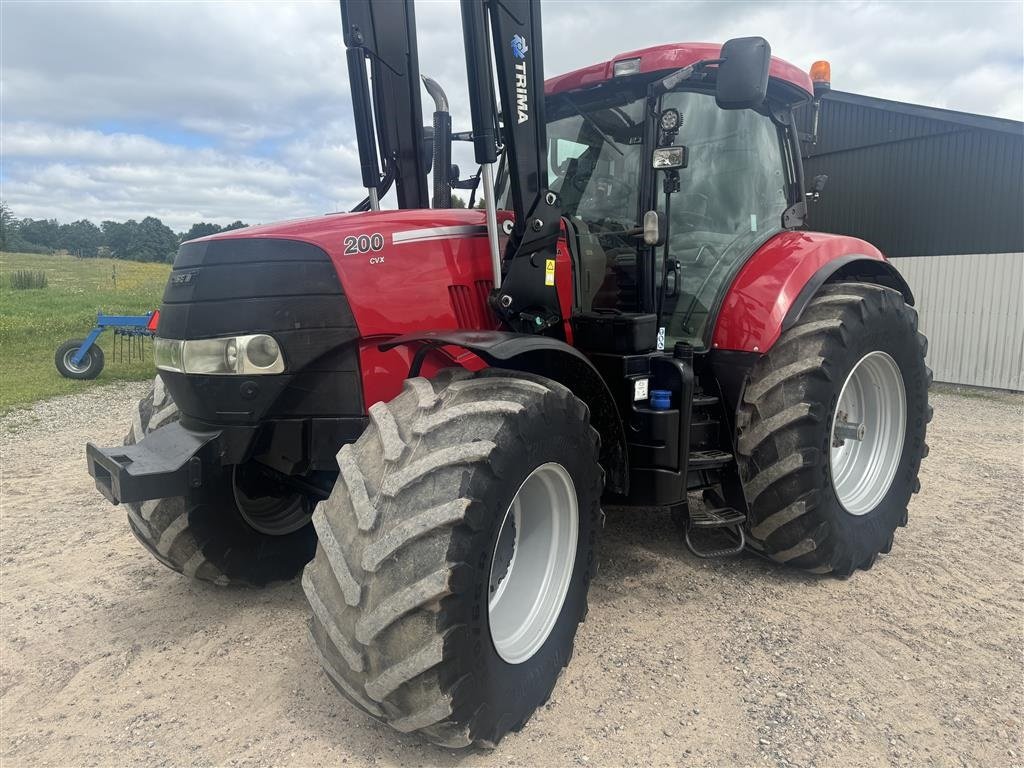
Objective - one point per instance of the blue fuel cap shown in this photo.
(661, 399)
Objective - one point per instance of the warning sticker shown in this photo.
(640, 389)
(549, 272)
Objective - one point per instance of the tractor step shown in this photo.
(723, 517)
(715, 516)
(712, 459)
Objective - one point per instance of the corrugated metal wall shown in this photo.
(925, 185)
(916, 185)
(971, 311)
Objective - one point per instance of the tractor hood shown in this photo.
(393, 273)
(400, 270)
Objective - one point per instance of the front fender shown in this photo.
(774, 287)
(555, 360)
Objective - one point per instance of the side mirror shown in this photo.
(817, 185)
(742, 80)
(654, 228)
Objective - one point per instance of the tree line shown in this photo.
(146, 240)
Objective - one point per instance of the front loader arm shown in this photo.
(527, 299)
(384, 34)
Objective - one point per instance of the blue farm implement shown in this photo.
(83, 358)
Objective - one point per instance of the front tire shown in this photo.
(831, 431)
(204, 535)
(416, 544)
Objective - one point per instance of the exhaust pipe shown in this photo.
(442, 157)
(442, 144)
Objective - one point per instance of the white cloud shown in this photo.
(70, 173)
(24, 139)
(218, 110)
(226, 63)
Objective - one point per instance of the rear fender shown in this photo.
(547, 357)
(774, 287)
(852, 268)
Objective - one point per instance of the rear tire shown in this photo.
(802, 512)
(203, 535)
(402, 587)
(88, 368)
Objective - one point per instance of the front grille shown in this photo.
(286, 288)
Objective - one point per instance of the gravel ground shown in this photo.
(109, 658)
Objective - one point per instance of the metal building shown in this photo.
(941, 193)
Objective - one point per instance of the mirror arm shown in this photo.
(672, 80)
(815, 116)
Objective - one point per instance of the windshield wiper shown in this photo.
(590, 121)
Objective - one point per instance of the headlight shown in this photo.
(668, 158)
(229, 356)
(262, 351)
(167, 354)
(206, 356)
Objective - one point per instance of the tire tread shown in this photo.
(781, 411)
(396, 517)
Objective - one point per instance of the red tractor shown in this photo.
(426, 408)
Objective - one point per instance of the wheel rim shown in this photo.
(532, 563)
(867, 433)
(82, 367)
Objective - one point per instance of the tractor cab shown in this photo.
(721, 175)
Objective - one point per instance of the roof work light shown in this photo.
(625, 67)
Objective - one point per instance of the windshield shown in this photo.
(732, 196)
(595, 156)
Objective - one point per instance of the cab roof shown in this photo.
(669, 57)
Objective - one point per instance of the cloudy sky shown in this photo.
(223, 110)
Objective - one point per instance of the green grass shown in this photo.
(34, 323)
